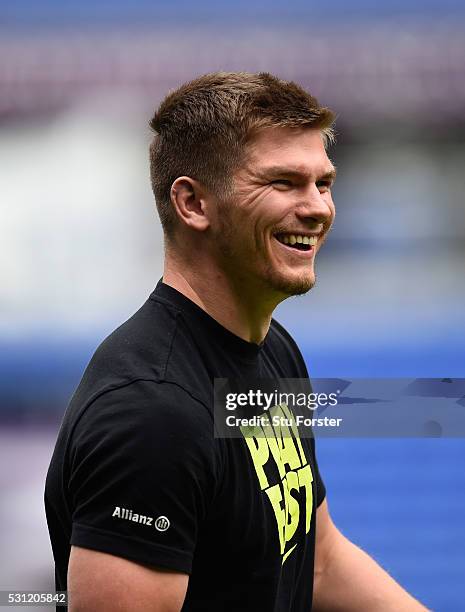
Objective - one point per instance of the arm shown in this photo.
(141, 449)
(103, 582)
(348, 580)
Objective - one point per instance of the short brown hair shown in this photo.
(202, 129)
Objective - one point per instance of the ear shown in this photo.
(189, 202)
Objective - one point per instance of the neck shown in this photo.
(241, 309)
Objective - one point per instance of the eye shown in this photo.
(281, 183)
(323, 186)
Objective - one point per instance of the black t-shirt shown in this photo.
(137, 471)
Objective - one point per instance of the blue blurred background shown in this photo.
(82, 246)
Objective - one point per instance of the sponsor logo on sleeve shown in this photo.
(162, 523)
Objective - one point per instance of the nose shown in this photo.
(316, 206)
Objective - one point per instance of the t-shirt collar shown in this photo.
(210, 326)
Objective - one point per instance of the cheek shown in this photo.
(331, 206)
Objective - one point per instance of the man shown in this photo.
(147, 509)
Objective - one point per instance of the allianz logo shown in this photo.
(161, 523)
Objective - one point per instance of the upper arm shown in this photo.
(327, 536)
(346, 578)
(103, 582)
(142, 476)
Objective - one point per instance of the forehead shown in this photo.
(299, 149)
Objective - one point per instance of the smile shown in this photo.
(297, 241)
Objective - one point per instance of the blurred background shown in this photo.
(82, 246)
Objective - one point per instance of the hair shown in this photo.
(202, 129)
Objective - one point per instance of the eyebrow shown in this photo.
(330, 174)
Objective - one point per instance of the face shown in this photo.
(267, 236)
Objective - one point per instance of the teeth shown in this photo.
(296, 238)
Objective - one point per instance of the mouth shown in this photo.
(297, 242)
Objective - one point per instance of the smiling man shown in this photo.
(282, 200)
(147, 509)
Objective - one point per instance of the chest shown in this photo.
(268, 498)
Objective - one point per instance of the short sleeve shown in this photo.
(142, 474)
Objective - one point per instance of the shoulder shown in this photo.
(142, 348)
(147, 406)
(143, 423)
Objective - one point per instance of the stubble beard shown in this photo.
(290, 286)
(233, 261)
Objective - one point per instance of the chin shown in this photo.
(295, 285)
